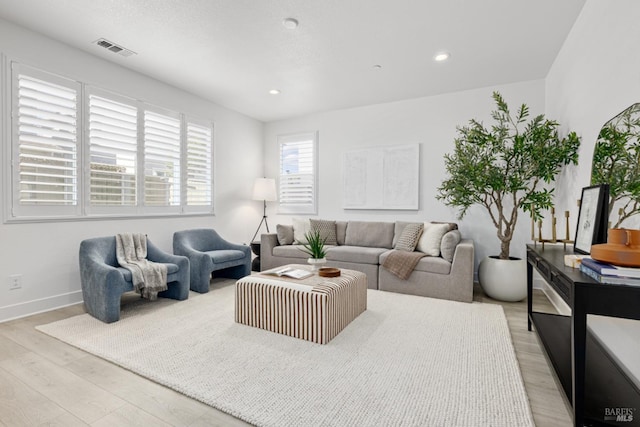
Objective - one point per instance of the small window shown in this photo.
(161, 159)
(199, 165)
(45, 143)
(113, 151)
(298, 173)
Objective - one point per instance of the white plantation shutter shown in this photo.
(76, 150)
(113, 146)
(199, 165)
(297, 173)
(45, 126)
(161, 159)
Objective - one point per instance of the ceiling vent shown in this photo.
(114, 47)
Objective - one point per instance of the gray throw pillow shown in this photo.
(327, 230)
(285, 234)
(409, 237)
(448, 244)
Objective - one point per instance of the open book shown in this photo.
(294, 273)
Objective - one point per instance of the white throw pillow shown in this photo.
(431, 238)
(301, 226)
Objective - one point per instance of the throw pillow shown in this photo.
(409, 237)
(448, 245)
(285, 234)
(452, 225)
(327, 230)
(431, 238)
(301, 226)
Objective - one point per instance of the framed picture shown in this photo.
(593, 218)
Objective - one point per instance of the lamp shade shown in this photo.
(265, 189)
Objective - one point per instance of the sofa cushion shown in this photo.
(431, 238)
(448, 245)
(301, 226)
(327, 230)
(428, 264)
(356, 254)
(436, 265)
(370, 234)
(341, 231)
(285, 234)
(290, 251)
(408, 239)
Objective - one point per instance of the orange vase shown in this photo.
(622, 248)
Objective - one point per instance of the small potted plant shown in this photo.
(503, 169)
(315, 249)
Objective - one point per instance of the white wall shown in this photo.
(46, 253)
(430, 121)
(595, 76)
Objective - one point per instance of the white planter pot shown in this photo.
(503, 279)
(316, 263)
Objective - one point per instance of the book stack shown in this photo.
(609, 273)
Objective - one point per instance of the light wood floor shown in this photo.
(46, 382)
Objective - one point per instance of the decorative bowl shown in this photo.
(622, 248)
(329, 272)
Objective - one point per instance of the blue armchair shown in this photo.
(104, 281)
(208, 252)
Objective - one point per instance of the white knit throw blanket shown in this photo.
(148, 277)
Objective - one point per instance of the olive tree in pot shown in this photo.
(504, 169)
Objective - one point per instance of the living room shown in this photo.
(592, 77)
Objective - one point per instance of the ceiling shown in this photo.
(232, 52)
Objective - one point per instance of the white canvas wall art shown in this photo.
(382, 178)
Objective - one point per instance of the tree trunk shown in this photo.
(504, 249)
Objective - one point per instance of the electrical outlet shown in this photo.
(15, 281)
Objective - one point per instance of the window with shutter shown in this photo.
(161, 159)
(45, 148)
(297, 173)
(113, 151)
(133, 158)
(199, 165)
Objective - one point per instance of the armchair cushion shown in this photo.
(225, 255)
(171, 268)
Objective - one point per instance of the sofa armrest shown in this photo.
(462, 267)
(267, 243)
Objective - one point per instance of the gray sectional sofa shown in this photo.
(364, 245)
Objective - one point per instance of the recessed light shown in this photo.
(290, 23)
(274, 91)
(442, 56)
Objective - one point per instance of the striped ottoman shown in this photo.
(314, 309)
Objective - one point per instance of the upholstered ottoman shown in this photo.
(314, 309)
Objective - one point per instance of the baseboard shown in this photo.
(539, 283)
(28, 308)
(556, 300)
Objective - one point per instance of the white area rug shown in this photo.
(406, 361)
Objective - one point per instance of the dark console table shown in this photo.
(593, 383)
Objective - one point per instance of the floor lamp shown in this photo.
(264, 189)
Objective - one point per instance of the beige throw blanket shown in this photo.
(402, 263)
(148, 277)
